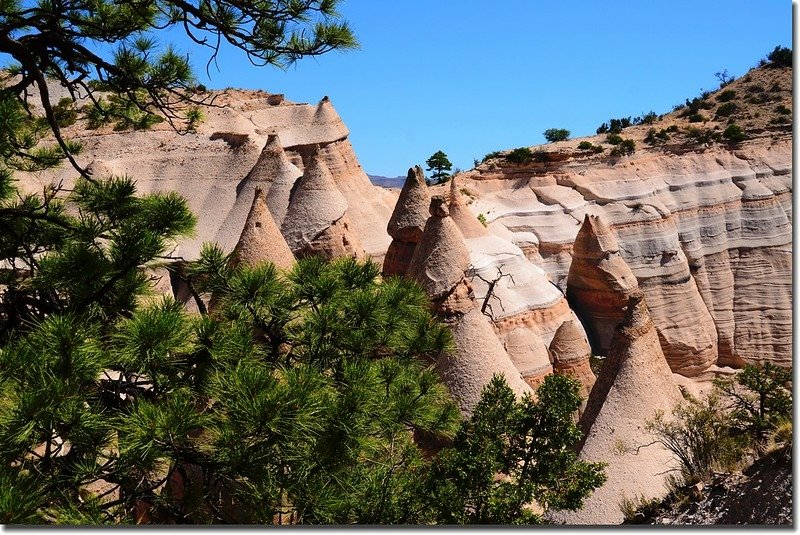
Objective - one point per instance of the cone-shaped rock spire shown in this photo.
(634, 384)
(529, 355)
(261, 240)
(441, 257)
(463, 217)
(571, 352)
(599, 281)
(316, 221)
(407, 222)
(276, 174)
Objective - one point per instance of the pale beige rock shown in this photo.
(465, 220)
(315, 222)
(634, 384)
(529, 355)
(261, 241)
(570, 353)
(478, 356)
(441, 257)
(599, 281)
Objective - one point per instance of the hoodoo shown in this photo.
(407, 222)
(529, 355)
(599, 281)
(634, 384)
(570, 352)
(261, 240)
(462, 216)
(316, 221)
(276, 174)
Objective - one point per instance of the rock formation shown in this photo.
(316, 222)
(407, 222)
(529, 355)
(634, 384)
(570, 352)
(276, 174)
(462, 216)
(261, 240)
(599, 281)
(438, 264)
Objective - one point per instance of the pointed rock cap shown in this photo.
(325, 112)
(569, 347)
(463, 217)
(595, 238)
(441, 257)
(411, 211)
(528, 353)
(277, 174)
(635, 383)
(478, 356)
(261, 241)
(315, 204)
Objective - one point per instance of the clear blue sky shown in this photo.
(469, 77)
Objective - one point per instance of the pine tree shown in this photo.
(439, 164)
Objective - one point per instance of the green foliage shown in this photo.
(585, 145)
(657, 137)
(614, 126)
(511, 453)
(780, 57)
(491, 156)
(648, 118)
(556, 134)
(727, 95)
(194, 116)
(727, 109)
(761, 399)
(699, 437)
(697, 118)
(65, 113)
(520, 156)
(482, 219)
(614, 139)
(782, 110)
(702, 136)
(439, 164)
(733, 132)
(624, 147)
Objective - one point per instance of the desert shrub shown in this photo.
(780, 57)
(761, 399)
(726, 95)
(655, 137)
(597, 149)
(541, 156)
(520, 155)
(699, 436)
(775, 87)
(727, 109)
(614, 139)
(602, 129)
(490, 156)
(614, 126)
(625, 147)
(697, 118)
(755, 88)
(556, 134)
(648, 118)
(780, 119)
(701, 135)
(783, 110)
(482, 219)
(734, 133)
(585, 145)
(672, 128)
(235, 141)
(758, 98)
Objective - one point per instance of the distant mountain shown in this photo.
(387, 182)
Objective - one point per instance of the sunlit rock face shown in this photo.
(407, 223)
(705, 233)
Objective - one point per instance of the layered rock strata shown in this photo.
(407, 222)
(439, 264)
(599, 281)
(317, 221)
(635, 383)
(465, 220)
(570, 353)
(529, 355)
(707, 234)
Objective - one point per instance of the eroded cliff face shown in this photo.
(707, 234)
(249, 139)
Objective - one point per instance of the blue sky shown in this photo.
(469, 77)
